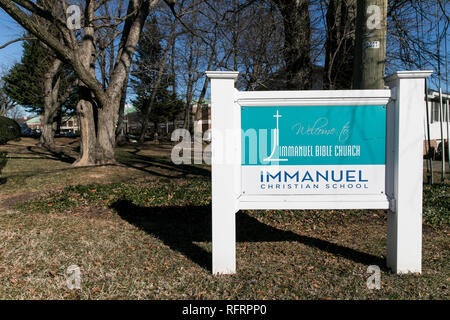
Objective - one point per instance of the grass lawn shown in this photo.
(141, 229)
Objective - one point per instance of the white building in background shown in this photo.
(434, 118)
(68, 123)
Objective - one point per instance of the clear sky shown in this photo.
(9, 30)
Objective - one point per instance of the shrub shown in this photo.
(9, 130)
(439, 150)
(2, 161)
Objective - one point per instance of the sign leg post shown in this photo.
(225, 164)
(223, 241)
(405, 171)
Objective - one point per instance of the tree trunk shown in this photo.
(57, 123)
(198, 118)
(370, 48)
(86, 106)
(88, 140)
(51, 105)
(188, 113)
(120, 123)
(106, 134)
(49, 127)
(339, 45)
(144, 127)
(297, 43)
(191, 69)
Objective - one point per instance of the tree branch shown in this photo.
(17, 40)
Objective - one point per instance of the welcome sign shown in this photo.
(313, 149)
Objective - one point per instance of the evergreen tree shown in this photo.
(43, 85)
(24, 83)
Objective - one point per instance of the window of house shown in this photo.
(435, 112)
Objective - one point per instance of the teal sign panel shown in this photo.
(313, 135)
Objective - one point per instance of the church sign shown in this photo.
(313, 149)
(330, 149)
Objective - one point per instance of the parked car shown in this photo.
(27, 132)
(68, 134)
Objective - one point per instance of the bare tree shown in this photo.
(15, 113)
(260, 49)
(297, 39)
(339, 44)
(57, 90)
(6, 104)
(415, 31)
(98, 106)
(160, 70)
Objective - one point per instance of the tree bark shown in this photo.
(106, 132)
(88, 139)
(49, 127)
(120, 123)
(297, 43)
(340, 44)
(86, 103)
(51, 105)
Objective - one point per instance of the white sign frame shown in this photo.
(404, 141)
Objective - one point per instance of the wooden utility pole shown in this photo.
(370, 48)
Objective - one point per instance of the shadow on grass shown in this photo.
(180, 227)
(53, 155)
(3, 180)
(148, 164)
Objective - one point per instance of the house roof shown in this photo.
(433, 94)
(129, 109)
(34, 120)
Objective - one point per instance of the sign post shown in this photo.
(347, 149)
(405, 171)
(224, 163)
